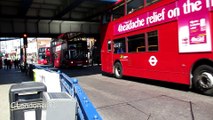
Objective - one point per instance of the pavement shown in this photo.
(9, 77)
(128, 100)
(123, 99)
(139, 99)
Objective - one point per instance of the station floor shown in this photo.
(9, 77)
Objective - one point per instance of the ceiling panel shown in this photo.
(50, 10)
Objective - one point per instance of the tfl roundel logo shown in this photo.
(153, 61)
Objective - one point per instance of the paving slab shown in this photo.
(201, 109)
(167, 108)
(4, 102)
(128, 113)
(9, 77)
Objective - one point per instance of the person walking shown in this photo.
(1, 62)
(5, 63)
(15, 63)
(9, 64)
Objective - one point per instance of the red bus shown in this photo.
(167, 40)
(69, 51)
(44, 56)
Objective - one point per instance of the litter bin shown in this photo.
(26, 100)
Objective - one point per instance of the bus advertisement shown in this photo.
(167, 40)
(44, 56)
(69, 52)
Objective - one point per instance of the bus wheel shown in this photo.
(203, 79)
(118, 70)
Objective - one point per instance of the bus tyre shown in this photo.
(203, 79)
(118, 70)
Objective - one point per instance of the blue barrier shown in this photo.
(86, 110)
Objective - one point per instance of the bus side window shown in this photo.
(119, 46)
(43, 56)
(109, 46)
(66, 55)
(136, 43)
(56, 55)
(153, 41)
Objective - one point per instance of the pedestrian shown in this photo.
(5, 63)
(9, 64)
(18, 63)
(15, 63)
(95, 55)
(1, 62)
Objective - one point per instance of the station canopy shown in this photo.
(52, 10)
(73, 10)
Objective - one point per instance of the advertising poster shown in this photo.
(193, 24)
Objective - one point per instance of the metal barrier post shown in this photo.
(86, 110)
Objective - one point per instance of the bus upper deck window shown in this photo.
(134, 5)
(118, 11)
(149, 2)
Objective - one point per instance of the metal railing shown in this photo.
(86, 110)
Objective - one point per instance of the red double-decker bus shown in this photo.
(44, 56)
(167, 40)
(69, 51)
